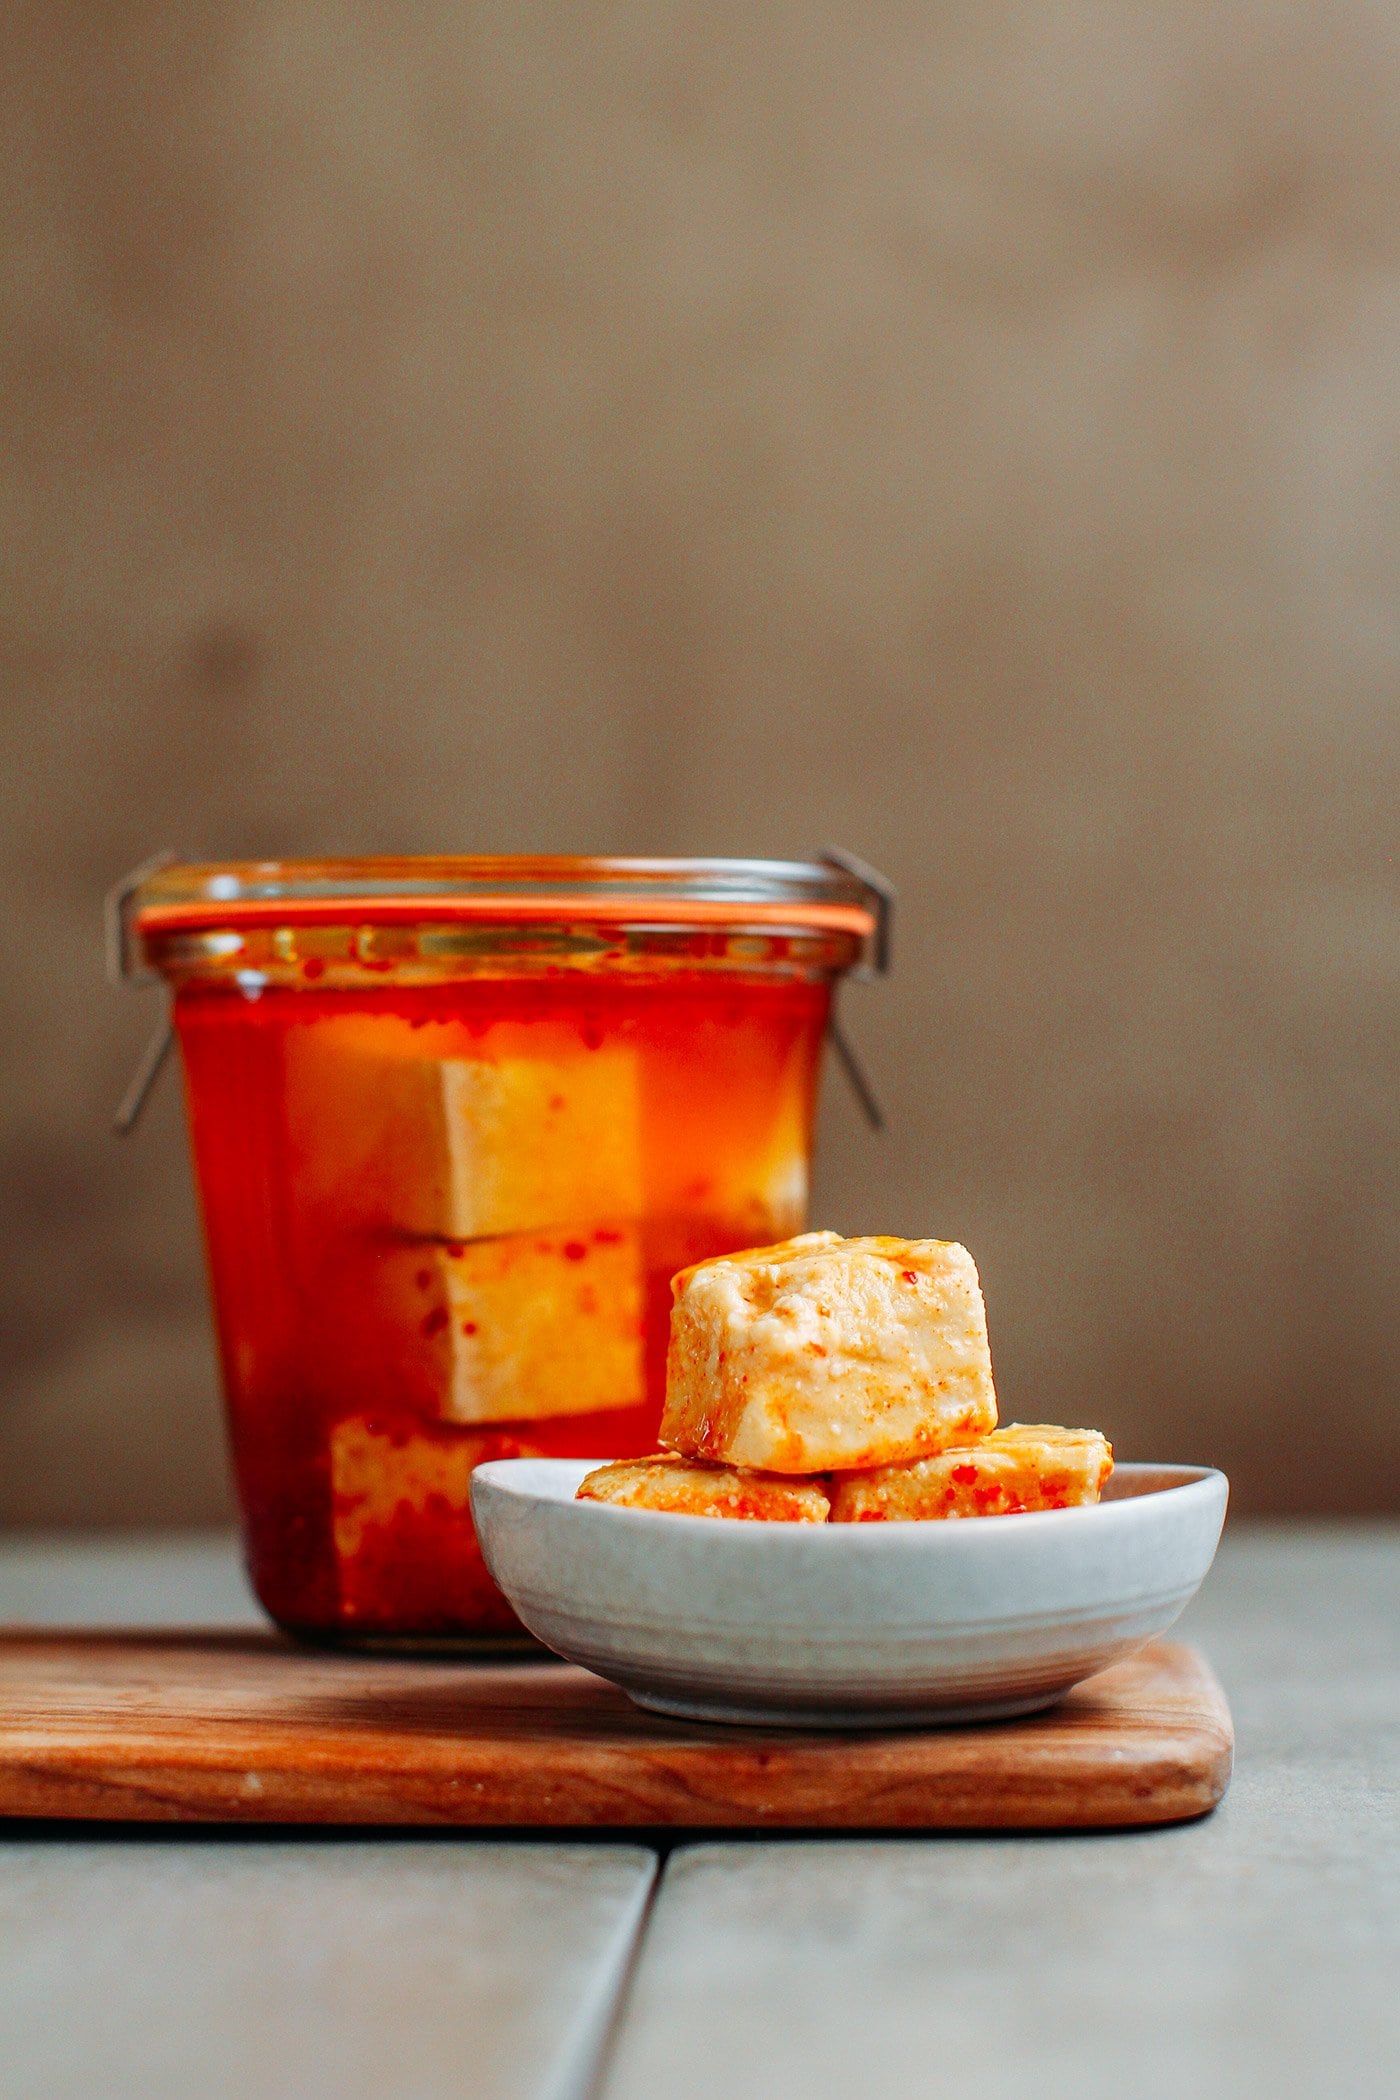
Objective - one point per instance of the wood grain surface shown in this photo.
(246, 1728)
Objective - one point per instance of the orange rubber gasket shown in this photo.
(234, 914)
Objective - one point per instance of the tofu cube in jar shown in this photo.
(533, 1325)
(536, 1130)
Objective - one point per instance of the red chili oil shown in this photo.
(342, 1362)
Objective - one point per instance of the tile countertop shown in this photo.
(1257, 1952)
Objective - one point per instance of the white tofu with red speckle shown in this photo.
(1026, 1466)
(823, 1353)
(693, 1488)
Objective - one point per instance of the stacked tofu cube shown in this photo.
(669, 1481)
(859, 1368)
(485, 1210)
(496, 1202)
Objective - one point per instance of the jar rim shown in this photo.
(384, 889)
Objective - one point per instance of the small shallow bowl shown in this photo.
(846, 1625)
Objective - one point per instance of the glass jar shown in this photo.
(456, 1123)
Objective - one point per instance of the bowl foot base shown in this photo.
(733, 1714)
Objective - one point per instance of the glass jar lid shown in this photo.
(834, 893)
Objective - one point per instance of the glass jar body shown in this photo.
(445, 1181)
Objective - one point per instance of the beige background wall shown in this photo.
(968, 432)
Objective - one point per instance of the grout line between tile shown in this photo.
(582, 2075)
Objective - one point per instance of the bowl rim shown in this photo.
(1197, 1482)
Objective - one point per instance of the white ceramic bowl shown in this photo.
(846, 1625)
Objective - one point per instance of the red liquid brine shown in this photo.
(455, 1127)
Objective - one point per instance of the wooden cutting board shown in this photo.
(247, 1728)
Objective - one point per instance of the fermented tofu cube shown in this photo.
(460, 1147)
(383, 1466)
(532, 1325)
(537, 1143)
(825, 1353)
(401, 1514)
(691, 1489)
(1021, 1467)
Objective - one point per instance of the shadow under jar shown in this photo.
(456, 1123)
